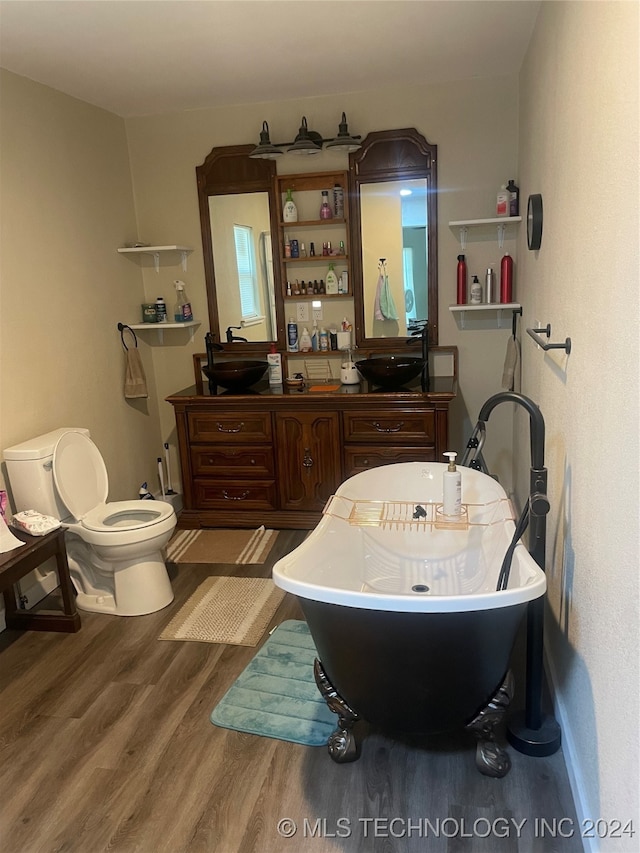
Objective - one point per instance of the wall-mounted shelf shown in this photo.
(160, 328)
(498, 307)
(156, 251)
(500, 223)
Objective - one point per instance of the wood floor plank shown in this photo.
(106, 747)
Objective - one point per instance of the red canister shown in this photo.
(462, 281)
(506, 279)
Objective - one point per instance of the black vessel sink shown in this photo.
(391, 371)
(235, 375)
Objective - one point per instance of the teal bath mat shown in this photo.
(276, 695)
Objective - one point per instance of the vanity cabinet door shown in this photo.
(308, 458)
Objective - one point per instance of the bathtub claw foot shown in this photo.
(491, 758)
(342, 744)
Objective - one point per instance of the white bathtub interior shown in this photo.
(370, 550)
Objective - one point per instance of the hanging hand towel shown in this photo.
(377, 311)
(387, 305)
(135, 382)
(510, 372)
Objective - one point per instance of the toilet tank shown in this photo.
(29, 470)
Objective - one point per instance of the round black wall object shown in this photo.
(534, 221)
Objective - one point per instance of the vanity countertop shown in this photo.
(441, 388)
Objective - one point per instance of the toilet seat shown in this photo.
(126, 515)
(82, 482)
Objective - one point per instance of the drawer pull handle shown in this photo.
(307, 459)
(221, 427)
(228, 497)
(379, 428)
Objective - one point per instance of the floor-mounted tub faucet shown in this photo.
(532, 732)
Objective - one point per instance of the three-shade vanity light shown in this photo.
(306, 142)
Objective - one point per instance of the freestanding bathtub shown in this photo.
(401, 602)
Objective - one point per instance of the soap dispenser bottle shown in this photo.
(451, 487)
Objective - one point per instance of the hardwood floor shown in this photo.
(106, 745)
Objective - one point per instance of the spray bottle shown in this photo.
(451, 487)
(182, 310)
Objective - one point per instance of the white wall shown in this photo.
(67, 204)
(579, 147)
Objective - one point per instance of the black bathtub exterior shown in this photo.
(414, 672)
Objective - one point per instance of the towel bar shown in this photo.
(535, 334)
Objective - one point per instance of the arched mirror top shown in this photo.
(393, 192)
(238, 215)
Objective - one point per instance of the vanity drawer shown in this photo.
(232, 462)
(390, 427)
(235, 494)
(227, 427)
(357, 459)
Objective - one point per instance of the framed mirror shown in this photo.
(394, 237)
(238, 216)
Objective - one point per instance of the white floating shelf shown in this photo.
(500, 222)
(498, 307)
(155, 252)
(496, 220)
(160, 328)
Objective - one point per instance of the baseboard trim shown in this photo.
(571, 758)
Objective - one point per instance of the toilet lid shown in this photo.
(79, 473)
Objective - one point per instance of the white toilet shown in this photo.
(114, 549)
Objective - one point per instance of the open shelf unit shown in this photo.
(307, 189)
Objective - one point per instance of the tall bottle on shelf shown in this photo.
(289, 211)
(461, 291)
(514, 198)
(506, 279)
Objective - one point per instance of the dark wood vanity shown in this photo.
(275, 457)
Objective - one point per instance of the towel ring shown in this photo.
(122, 328)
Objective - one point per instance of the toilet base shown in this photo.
(121, 588)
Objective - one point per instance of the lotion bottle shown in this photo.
(476, 291)
(289, 211)
(451, 487)
(332, 281)
(274, 360)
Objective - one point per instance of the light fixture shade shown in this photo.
(344, 141)
(307, 141)
(265, 150)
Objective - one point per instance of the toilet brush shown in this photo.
(161, 475)
(166, 456)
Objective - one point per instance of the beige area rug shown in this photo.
(221, 546)
(226, 610)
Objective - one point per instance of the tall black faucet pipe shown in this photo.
(536, 734)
